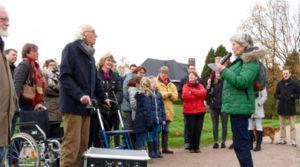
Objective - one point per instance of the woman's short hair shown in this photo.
(47, 62)
(103, 58)
(164, 69)
(27, 48)
(243, 39)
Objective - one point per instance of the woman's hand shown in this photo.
(220, 67)
(38, 106)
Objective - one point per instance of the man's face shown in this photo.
(4, 23)
(89, 36)
(11, 57)
(132, 68)
(191, 68)
(286, 74)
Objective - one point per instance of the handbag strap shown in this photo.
(29, 77)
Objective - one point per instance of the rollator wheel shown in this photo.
(23, 151)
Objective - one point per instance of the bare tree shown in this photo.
(275, 25)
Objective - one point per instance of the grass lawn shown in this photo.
(176, 128)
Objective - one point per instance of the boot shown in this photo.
(151, 150)
(156, 149)
(259, 135)
(165, 138)
(252, 138)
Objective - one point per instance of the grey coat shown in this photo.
(21, 74)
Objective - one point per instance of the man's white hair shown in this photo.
(81, 30)
(2, 8)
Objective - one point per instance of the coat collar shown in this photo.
(252, 54)
(84, 48)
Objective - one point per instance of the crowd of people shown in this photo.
(146, 102)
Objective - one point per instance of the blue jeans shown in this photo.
(154, 134)
(140, 140)
(241, 139)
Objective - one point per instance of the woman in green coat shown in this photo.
(238, 99)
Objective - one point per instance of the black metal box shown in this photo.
(100, 157)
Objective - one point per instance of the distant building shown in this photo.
(177, 70)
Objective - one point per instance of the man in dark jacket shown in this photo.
(11, 57)
(287, 91)
(78, 85)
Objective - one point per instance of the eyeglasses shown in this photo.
(4, 19)
(91, 31)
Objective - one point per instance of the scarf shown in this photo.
(106, 75)
(38, 81)
(165, 80)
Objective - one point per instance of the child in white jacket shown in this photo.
(255, 122)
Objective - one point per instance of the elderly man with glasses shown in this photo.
(78, 86)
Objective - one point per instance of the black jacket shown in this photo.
(215, 96)
(111, 87)
(78, 77)
(143, 118)
(22, 73)
(287, 91)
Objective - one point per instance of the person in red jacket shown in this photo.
(193, 96)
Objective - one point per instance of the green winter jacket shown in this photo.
(238, 94)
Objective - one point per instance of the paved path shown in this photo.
(272, 155)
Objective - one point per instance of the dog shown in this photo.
(270, 132)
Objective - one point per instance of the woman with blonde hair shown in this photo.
(110, 83)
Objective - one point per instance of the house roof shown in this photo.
(177, 71)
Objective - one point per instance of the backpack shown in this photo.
(261, 80)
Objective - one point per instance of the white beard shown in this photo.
(3, 33)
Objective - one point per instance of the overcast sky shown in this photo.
(136, 29)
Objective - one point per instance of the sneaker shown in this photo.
(187, 146)
(223, 145)
(294, 145)
(230, 147)
(281, 142)
(216, 145)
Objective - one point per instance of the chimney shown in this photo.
(192, 61)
